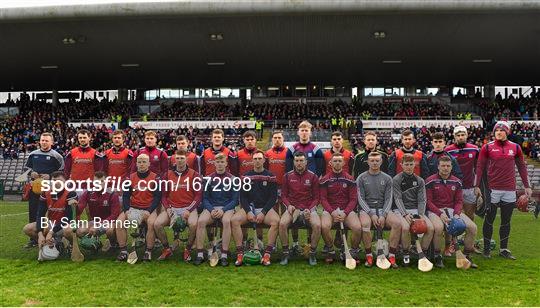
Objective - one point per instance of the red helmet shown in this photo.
(522, 203)
(418, 226)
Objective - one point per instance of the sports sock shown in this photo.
(487, 228)
(123, 249)
(240, 249)
(224, 254)
(285, 248)
(368, 251)
(200, 253)
(295, 243)
(392, 251)
(269, 249)
(504, 230)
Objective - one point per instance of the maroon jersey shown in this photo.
(466, 156)
(499, 158)
(159, 163)
(338, 190)
(106, 205)
(300, 190)
(441, 193)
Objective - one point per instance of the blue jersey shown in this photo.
(314, 155)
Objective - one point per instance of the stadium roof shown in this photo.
(137, 44)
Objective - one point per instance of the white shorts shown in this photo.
(135, 214)
(408, 211)
(325, 211)
(178, 212)
(257, 211)
(469, 196)
(502, 195)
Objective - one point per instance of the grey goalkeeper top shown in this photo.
(409, 193)
(374, 192)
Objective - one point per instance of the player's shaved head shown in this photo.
(143, 163)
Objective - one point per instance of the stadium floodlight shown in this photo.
(49, 67)
(130, 65)
(379, 34)
(482, 60)
(216, 37)
(69, 41)
(391, 61)
(215, 63)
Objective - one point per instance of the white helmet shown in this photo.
(47, 253)
(135, 215)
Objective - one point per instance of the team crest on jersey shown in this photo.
(415, 183)
(308, 182)
(155, 157)
(382, 182)
(265, 183)
(511, 152)
(453, 187)
(106, 203)
(48, 158)
(470, 155)
(344, 185)
(309, 154)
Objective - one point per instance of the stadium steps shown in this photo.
(266, 141)
(533, 162)
(9, 170)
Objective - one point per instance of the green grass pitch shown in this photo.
(101, 281)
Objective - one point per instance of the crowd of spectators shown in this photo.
(20, 133)
(524, 107)
(289, 111)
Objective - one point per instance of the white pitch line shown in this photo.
(7, 215)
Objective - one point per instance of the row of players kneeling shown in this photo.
(251, 251)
